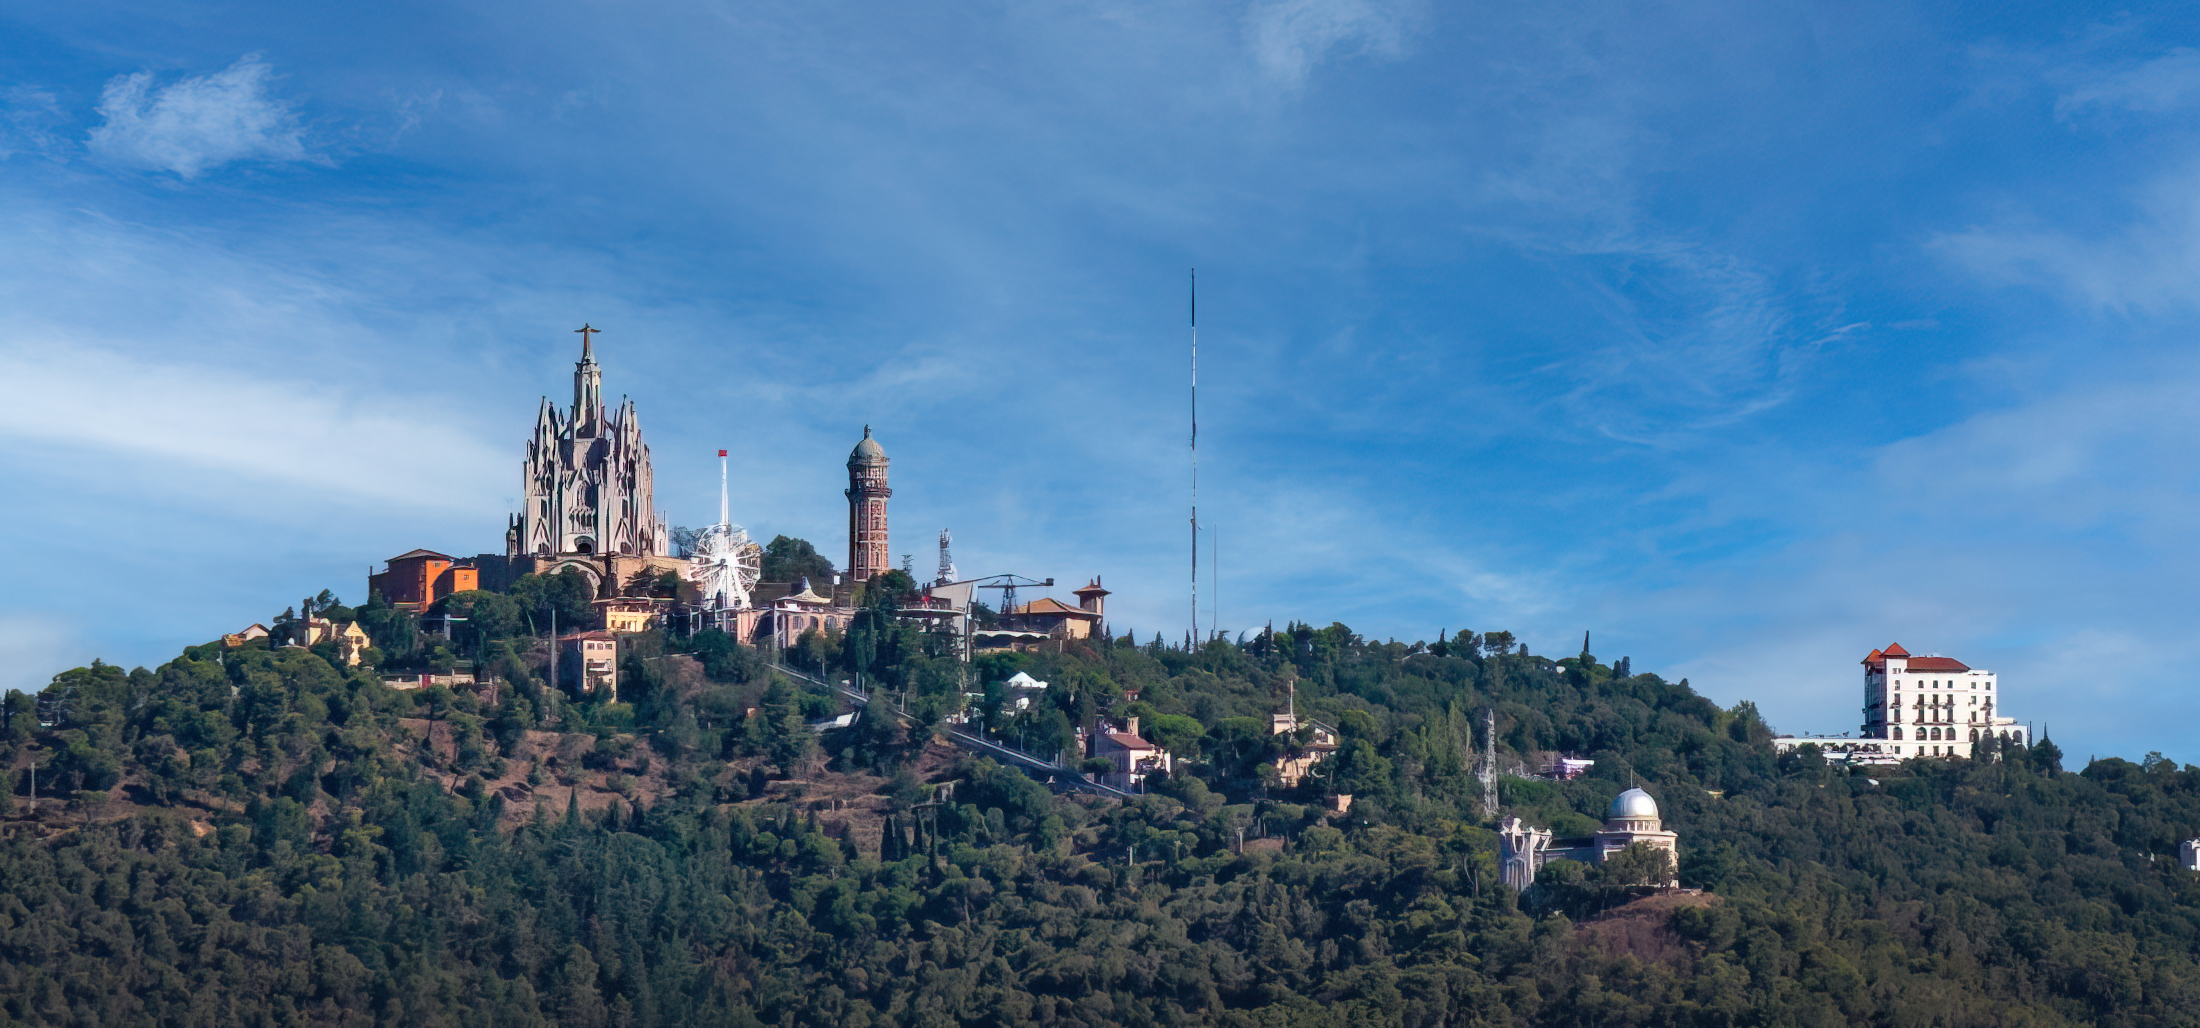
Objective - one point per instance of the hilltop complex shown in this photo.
(1929, 706)
(588, 507)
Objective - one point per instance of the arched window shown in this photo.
(1936, 735)
(1898, 735)
(1974, 735)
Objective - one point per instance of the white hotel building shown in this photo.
(1929, 706)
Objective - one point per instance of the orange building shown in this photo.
(1058, 620)
(417, 579)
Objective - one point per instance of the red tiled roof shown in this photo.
(1874, 657)
(1937, 664)
(1048, 606)
(1894, 650)
(1129, 742)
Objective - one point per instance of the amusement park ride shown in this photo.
(726, 563)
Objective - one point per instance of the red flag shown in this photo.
(721, 453)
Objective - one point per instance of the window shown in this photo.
(1898, 734)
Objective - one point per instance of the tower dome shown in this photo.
(1634, 803)
(868, 449)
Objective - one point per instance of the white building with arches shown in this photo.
(1929, 706)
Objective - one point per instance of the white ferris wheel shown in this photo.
(725, 564)
(725, 567)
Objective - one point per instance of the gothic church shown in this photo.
(587, 478)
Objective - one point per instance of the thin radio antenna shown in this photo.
(1195, 455)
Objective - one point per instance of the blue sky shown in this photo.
(1749, 336)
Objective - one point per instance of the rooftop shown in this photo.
(1048, 606)
(1929, 662)
(1937, 664)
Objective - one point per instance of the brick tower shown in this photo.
(867, 496)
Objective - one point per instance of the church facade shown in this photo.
(588, 494)
(586, 478)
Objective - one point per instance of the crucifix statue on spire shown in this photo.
(586, 331)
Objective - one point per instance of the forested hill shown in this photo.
(260, 836)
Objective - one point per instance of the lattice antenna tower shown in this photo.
(947, 559)
(1488, 774)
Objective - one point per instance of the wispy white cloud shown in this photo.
(297, 433)
(2162, 84)
(28, 119)
(1289, 38)
(1697, 339)
(2150, 262)
(197, 123)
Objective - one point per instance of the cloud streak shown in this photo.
(198, 123)
(298, 434)
(1289, 38)
(2157, 86)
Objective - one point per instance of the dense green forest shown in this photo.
(264, 836)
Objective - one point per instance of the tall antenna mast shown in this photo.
(947, 560)
(1489, 763)
(1195, 455)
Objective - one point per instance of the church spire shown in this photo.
(587, 417)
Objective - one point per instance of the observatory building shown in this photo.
(1633, 818)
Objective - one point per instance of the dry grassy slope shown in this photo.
(856, 805)
(847, 805)
(1642, 928)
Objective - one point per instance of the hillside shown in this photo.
(260, 836)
